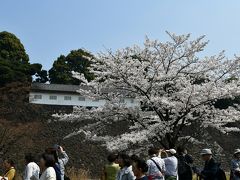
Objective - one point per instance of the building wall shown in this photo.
(60, 99)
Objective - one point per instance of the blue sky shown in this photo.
(48, 28)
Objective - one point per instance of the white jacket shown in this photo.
(48, 174)
(32, 171)
(62, 162)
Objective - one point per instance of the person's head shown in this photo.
(112, 157)
(153, 151)
(124, 160)
(164, 154)
(140, 167)
(8, 163)
(181, 150)
(237, 154)
(171, 152)
(134, 158)
(29, 158)
(47, 160)
(206, 154)
(52, 151)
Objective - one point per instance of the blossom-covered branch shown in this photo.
(173, 86)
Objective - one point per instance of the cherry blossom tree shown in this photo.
(174, 86)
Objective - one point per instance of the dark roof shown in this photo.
(56, 87)
(68, 88)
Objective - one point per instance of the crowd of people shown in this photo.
(49, 166)
(168, 165)
(161, 165)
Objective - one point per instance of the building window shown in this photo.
(81, 98)
(37, 96)
(53, 97)
(67, 98)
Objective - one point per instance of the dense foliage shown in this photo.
(77, 60)
(11, 48)
(14, 62)
(15, 65)
(175, 86)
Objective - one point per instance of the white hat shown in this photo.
(206, 152)
(172, 151)
(236, 151)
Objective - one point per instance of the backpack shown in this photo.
(183, 167)
(221, 174)
(58, 171)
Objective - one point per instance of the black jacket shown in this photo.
(186, 161)
(210, 170)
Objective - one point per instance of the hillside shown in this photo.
(27, 128)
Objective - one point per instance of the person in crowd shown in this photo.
(210, 171)
(163, 154)
(10, 171)
(185, 162)
(61, 159)
(171, 164)
(134, 158)
(235, 165)
(47, 163)
(32, 170)
(111, 169)
(125, 172)
(156, 165)
(140, 169)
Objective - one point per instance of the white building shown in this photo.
(59, 94)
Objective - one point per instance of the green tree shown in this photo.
(76, 60)
(40, 74)
(12, 49)
(14, 62)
